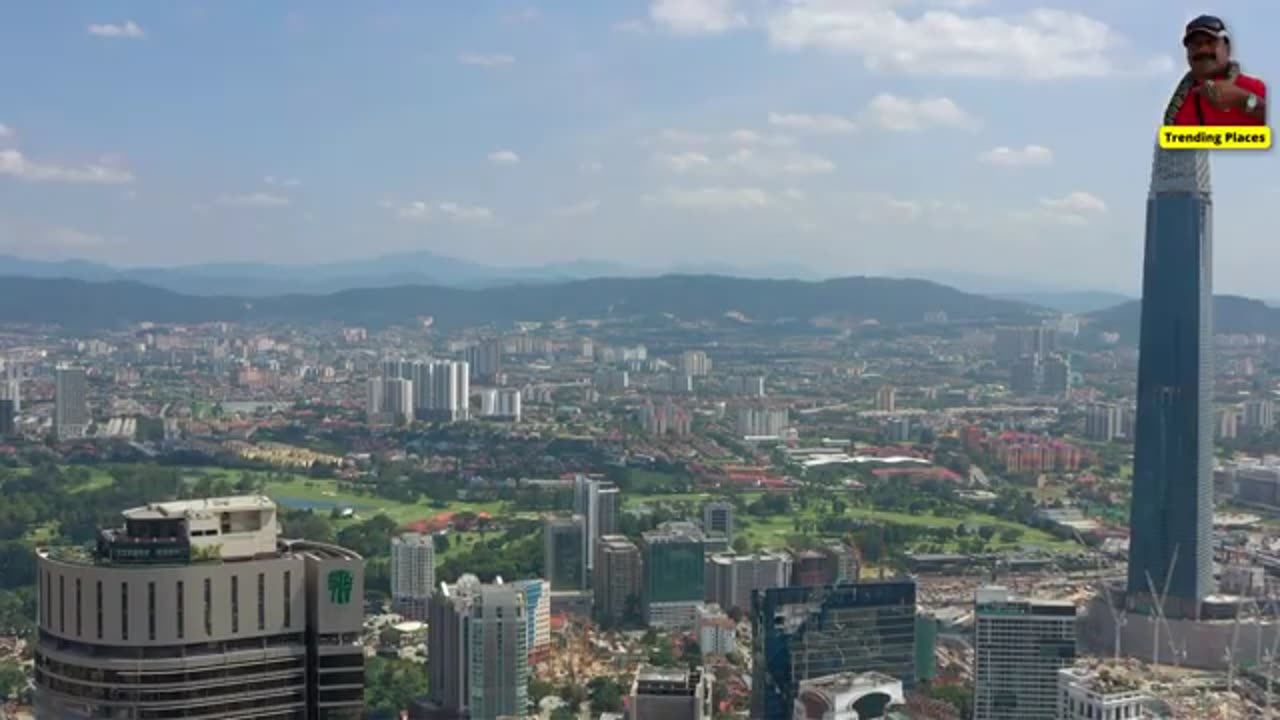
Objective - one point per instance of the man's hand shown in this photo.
(1225, 95)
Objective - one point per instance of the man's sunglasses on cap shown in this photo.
(1205, 25)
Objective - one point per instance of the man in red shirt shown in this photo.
(1215, 92)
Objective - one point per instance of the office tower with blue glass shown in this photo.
(802, 633)
(1172, 508)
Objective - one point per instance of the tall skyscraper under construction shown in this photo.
(1172, 509)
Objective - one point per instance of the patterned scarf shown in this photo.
(1183, 91)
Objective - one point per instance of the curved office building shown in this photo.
(195, 609)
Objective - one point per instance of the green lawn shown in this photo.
(773, 531)
(301, 489)
(325, 494)
(630, 500)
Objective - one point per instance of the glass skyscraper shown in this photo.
(1172, 506)
(799, 633)
(564, 559)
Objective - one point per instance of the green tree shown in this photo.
(539, 689)
(605, 694)
(370, 538)
(12, 679)
(306, 525)
(961, 698)
(390, 685)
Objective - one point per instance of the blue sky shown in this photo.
(847, 136)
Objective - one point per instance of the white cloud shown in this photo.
(528, 14)
(717, 199)
(6, 132)
(697, 17)
(1005, 156)
(14, 164)
(129, 29)
(586, 207)
(751, 137)
(416, 210)
(254, 200)
(738, 138)
(897, 113)
(590, 167)
(281, 181)
(486, 60)
(465, 213)
(881, 207)
(423, 210)
(820, 123)
(685, 162)
(1080, 203)
(1077, 208)
(504, 157)
(779, 164)
(1040, 44)
(769, 163)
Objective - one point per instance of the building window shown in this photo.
(124, 611)
(99, 606)
(151, 611)
(182, 611)
(78, 616)
(235, 603)
(48, 599)
(288, 600)
(208, 606)
(62, 603)
(262, 601)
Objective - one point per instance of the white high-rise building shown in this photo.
(488, 402)
(1102, 422)
(485, 359)
(422, 376)
(450, 397)
(509, 404)
(413, 574)
(479, 649)
(762, 421)
(695, 363)
(1259, 414)
(70, 412)
(1019, 647)
(11, 383)
(398, 399)
(373, 397)
(390, 398)
(599, 503)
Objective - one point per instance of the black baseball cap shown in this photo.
(1207, 24)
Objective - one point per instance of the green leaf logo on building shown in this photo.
(340, 584)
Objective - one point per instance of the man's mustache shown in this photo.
(1204, 56)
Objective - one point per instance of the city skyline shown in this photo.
(762, 130)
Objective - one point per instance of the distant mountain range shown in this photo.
(1232, 315)
(414, 268)
(85, 304)
(1077, 302)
